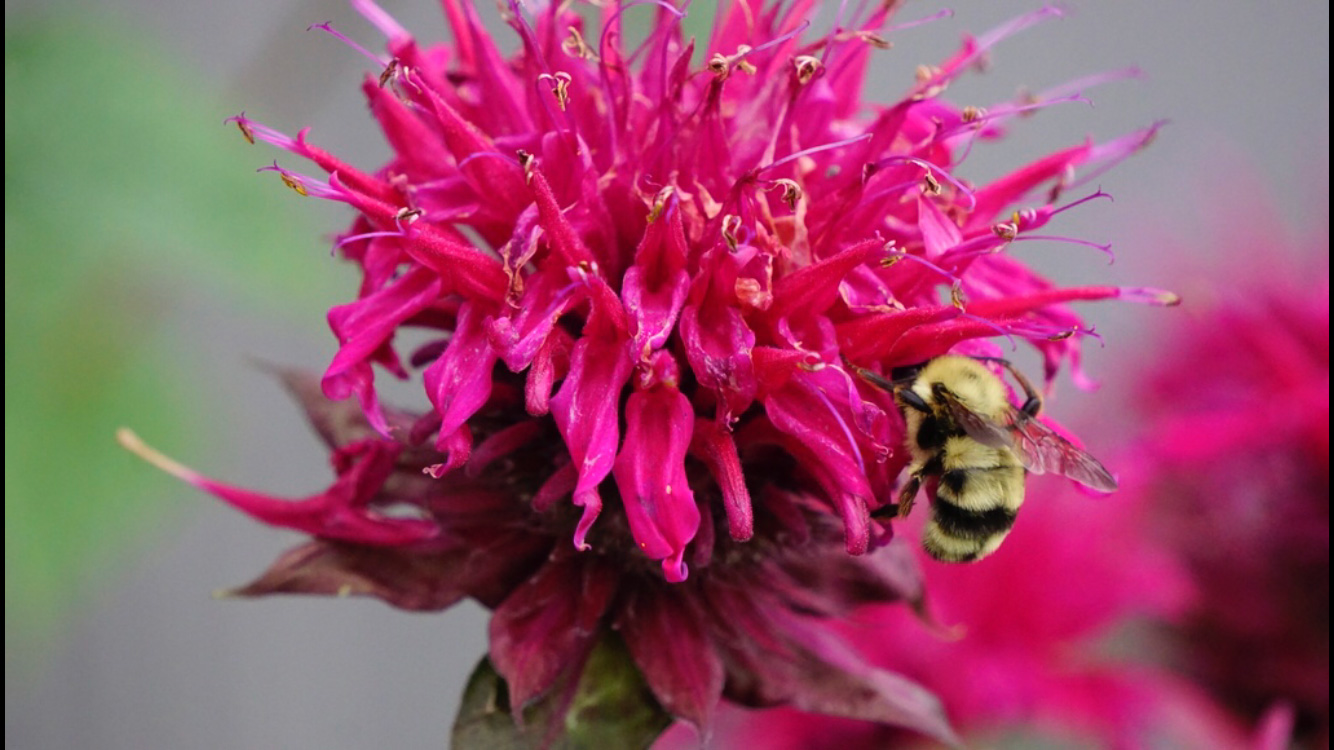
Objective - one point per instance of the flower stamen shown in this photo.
(328, 28)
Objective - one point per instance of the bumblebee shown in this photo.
(972, 449)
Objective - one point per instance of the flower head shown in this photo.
(641, 273)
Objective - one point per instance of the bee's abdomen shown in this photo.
(973, 510)
(976, 525)
(980, 490)
(946, 548)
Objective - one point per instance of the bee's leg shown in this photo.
(908, 494)
(899, 385)
(875, 379)
(1033, 400)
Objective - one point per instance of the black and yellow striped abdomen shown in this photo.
(977, 494)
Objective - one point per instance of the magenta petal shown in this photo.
(811, 290)
(565, 242)
(713, 444)
(939, 233)
(363, 327)
(654, 288)
(500, 180)
(993, 198)
(457, 445)
(459, 382)
(585, 410)
(718, 347)
(666, 637)
(522, 329)
(341, 512)
(414, 141)
(651, 475)
(548, 623)
(652, 312)
(803, 409)
(550, 363)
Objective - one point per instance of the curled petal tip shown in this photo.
(674, 569)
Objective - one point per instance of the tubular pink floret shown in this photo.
(328, 28)
(998, 113)
(713, 444)
(776, 41)
(253, 129)
(341, 512)
(1105, 249)
(953, 279)
(1008, 29)
(932, 170)
(304, 184)
(380, 19)
(812, 150)
(853, 448)
(1007, 331)
(1100, 193)
(938, 15)
(1090, 81)
(1115, 151)
(614, 21)
(1150, 296)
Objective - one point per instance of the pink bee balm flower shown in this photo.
(1235, 477)
(642, 273)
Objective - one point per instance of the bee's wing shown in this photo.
(979, 427)
(1039, 448)
(1042, 451)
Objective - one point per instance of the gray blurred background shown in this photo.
(113, 640)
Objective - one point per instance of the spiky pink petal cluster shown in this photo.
(664, 245)
(641, 274)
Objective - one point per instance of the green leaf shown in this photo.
(608, 705)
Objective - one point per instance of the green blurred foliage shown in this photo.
(124, 197)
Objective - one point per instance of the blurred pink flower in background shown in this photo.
(1233, 476)
(638, 280)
